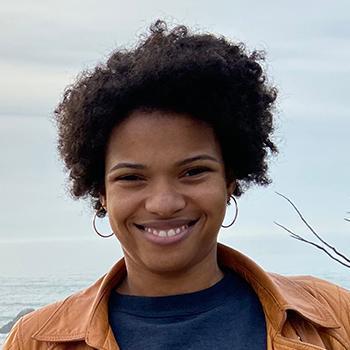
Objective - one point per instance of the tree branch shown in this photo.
(295, 236)
(346, 219)
(299, 238)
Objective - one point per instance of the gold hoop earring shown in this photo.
(95, 228)
(236, 213)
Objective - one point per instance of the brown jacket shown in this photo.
(301, 312)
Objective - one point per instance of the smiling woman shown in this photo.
(162, 138)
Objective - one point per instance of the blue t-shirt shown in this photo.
(227, 315)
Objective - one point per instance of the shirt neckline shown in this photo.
(177, 305)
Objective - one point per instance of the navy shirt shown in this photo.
(227, 315)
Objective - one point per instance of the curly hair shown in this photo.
(205, 76)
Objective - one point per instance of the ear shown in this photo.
(103, 201)
(231, 186)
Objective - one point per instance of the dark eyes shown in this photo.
(196, 171)
(193, 172)
(129, 178)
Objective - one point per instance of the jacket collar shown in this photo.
(84, 316)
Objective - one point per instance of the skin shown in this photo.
(164, 170)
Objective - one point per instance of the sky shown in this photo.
(45, 44)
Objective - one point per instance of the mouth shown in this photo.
(164, 230)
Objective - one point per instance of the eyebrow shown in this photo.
(127, 165)
(180, 163)
(195, 158)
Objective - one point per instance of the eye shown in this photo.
(131, 177)
(196, 171)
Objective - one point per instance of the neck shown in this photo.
(142, 282)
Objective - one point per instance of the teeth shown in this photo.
(166, 233)
(171, 233)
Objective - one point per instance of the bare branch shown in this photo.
(313, 231)
(299, 238)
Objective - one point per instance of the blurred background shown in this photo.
(46, 238)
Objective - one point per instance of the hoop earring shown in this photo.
(236, 213)
(95, 229)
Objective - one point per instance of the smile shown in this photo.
(166, 230)
(168, 233)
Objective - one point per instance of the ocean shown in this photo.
(35, 273)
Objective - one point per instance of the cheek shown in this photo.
(120, 208)
(213, 199)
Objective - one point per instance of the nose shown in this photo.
(164, 200)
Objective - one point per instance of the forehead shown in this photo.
(159, 133)
(143, 121)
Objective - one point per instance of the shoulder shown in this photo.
(72, 310)
(333, 298)
(326, 292)
(20, 334)
(329, 294)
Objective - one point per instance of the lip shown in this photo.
(167, 225)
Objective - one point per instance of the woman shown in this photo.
(162, 138)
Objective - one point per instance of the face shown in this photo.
(165, 190)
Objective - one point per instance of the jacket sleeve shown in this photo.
(12, 341)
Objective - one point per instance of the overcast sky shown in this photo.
(45, 44)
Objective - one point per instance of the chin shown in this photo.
(167, 263)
